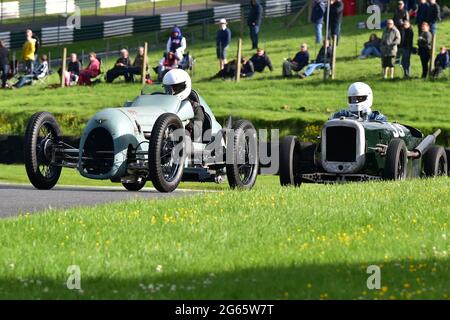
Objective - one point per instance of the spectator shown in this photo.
(28, 51)
(229, 71)
(301, 60)
(389, 46)
(336, 13)
(168, 62)
(411, 7)
(422, 14)
(424, 44)
(406, 47)
(223, 40)
(4, 64)
(400, 15)
(254, 21)
(136, 67)
(442, 62)
(176, 43)
(383, 4)
(92, 70)
(317, 15)
(37, 43)
(323, 60)
(73, 70)
(261, 60)
(120, 68)
(433, 16)
(371, 47)
(38, 73)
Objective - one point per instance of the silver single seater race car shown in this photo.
(141, 141)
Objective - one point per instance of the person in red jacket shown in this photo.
(91, 71)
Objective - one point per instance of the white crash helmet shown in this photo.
(177, 82)
(360, 99)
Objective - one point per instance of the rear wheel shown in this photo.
(396, 160)
(243, 170)
(135, 186)
(41, 134)
(290, 161)
(167, 152)
(435, 162)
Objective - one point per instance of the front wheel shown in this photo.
(242, 165)
(396, 160)
(435, 162)
(41, 134)
(167, 152)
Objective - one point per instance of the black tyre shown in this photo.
(242, 156)
(135, 186)
(41, 134)
(167, 152)
(447, 152)
(396, 160)
(435, 162)
(290, 173)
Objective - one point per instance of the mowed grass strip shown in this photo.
(315, 242)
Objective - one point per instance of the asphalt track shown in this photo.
(20, 199)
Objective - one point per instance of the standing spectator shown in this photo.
(4, 64)
(336, 14)
(254, 21)
(383, 4)
(411, 6)
(168, 62)
(422, 14)
(323, 60)
(176, 43)
(406, 47)
(400, 15)
(434, 15)
(424, 44)
(28, 51)
(442, 62)
(261, 60)
(301, 60)
(371, 47)
(73, 70)
(138, 63)
(389, 46)
(223, 40)
(37, 44)
(38, 73)
(317, 16)
(92, 70)
(120, 68)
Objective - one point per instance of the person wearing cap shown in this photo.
(223, 40)
(400, 15)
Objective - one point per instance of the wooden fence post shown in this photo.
(63, 67)
(333, 58)
(238, 60)
(433, 56)
(144, 63)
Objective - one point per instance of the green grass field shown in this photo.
(315, 242)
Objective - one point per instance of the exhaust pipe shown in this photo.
(423, 147)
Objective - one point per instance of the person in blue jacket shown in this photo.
(317, 16)
(254, 21)
(441, 62)
(223, 40)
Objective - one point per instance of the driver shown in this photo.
(360, 99)
(177, 82)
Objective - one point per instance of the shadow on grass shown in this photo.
(411, 279)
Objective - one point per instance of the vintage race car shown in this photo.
(351, 149)
(141, 141)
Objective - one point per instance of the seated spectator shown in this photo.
(442, 62)
(38, 73)
(136, 67)
(371, 47)
(261, 60)
(300, 61)
(229, 70)
(168, 62)
(92, 70)
(120, 68)
(176, 43)
(73, 70)
(323, 61)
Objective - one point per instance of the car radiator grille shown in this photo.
(98, 152)
(341, 144)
